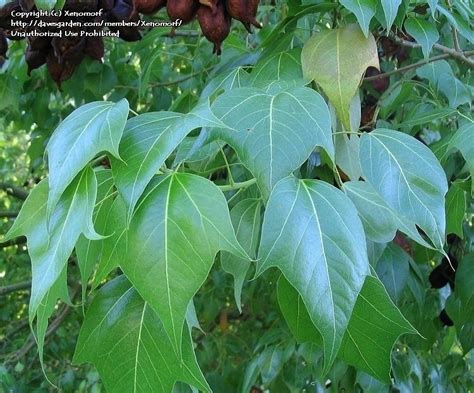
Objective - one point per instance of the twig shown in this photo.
(457, 47)
(177, 81)
(236, 186)
(15, 287)
(15, 242)
(461, 56)
(14, 191)
(414, 65)
(8, 214)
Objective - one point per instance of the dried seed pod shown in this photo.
(34, 59)
(149, 7)
(59, 71)
(445, 319)
(212, 4)
(94, 48)
(182, 9)
(244, 11)
(215, 26)
(128, 33)
(81, 5)
(3, 46)
(106, 5)
(27, 5)
(39, 43)
(123, 10)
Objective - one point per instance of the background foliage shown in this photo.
(250, 338)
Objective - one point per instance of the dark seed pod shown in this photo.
(34, 59)
(244, 11)
(59, 71)
(106, 5)
(128, 33)
(26, 5)
(3, 46)
(122, 10)
(39, 43)
(182, 9)
(149, 7)
(444, 273)
(212, 4)
(215, 26)
(445, 319)
(94, 48)
(5, 14)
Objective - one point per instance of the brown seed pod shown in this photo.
(59, 71)
(123, 10)
(106, 5)
(34, 59)
(215, 26)
(182, 9)
(149, 7)
(94, 48)
(26, 5)
(244, 11)
(3, 46)
(212, 4)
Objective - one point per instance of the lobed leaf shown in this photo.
(336, 60)
(273, 134)
(409, 178)
(312, 233)
(89, 130)
(124, 338)
(180, 224)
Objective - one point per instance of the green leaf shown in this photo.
(455, 210)
(424, 32)
(147, 142)
(114, 245)
(50, 250)
(180, 224)
(375, 324)
(390, 9)
(273, 134)
(246, 219)
(364, 10)
(45, 4)
(58, 290)
(458, 23)
(89, 130)
(455, 91)
(393, 268)
(463, 141)
(347, 155)
(337, 60)
(407, 175)
(88, 251)
(237, 77)
(282, 66)
(379, 221)
(312, 233)
(127, 342)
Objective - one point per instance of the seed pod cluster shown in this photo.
(62, 54)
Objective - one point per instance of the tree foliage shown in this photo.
(293, 215)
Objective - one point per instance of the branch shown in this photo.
(461, 56)
(454, 31)
(8, 214)
(14, 191)
(31, 342)
(15, 287)
(15, 242)
(236, 186)
(414, 65)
